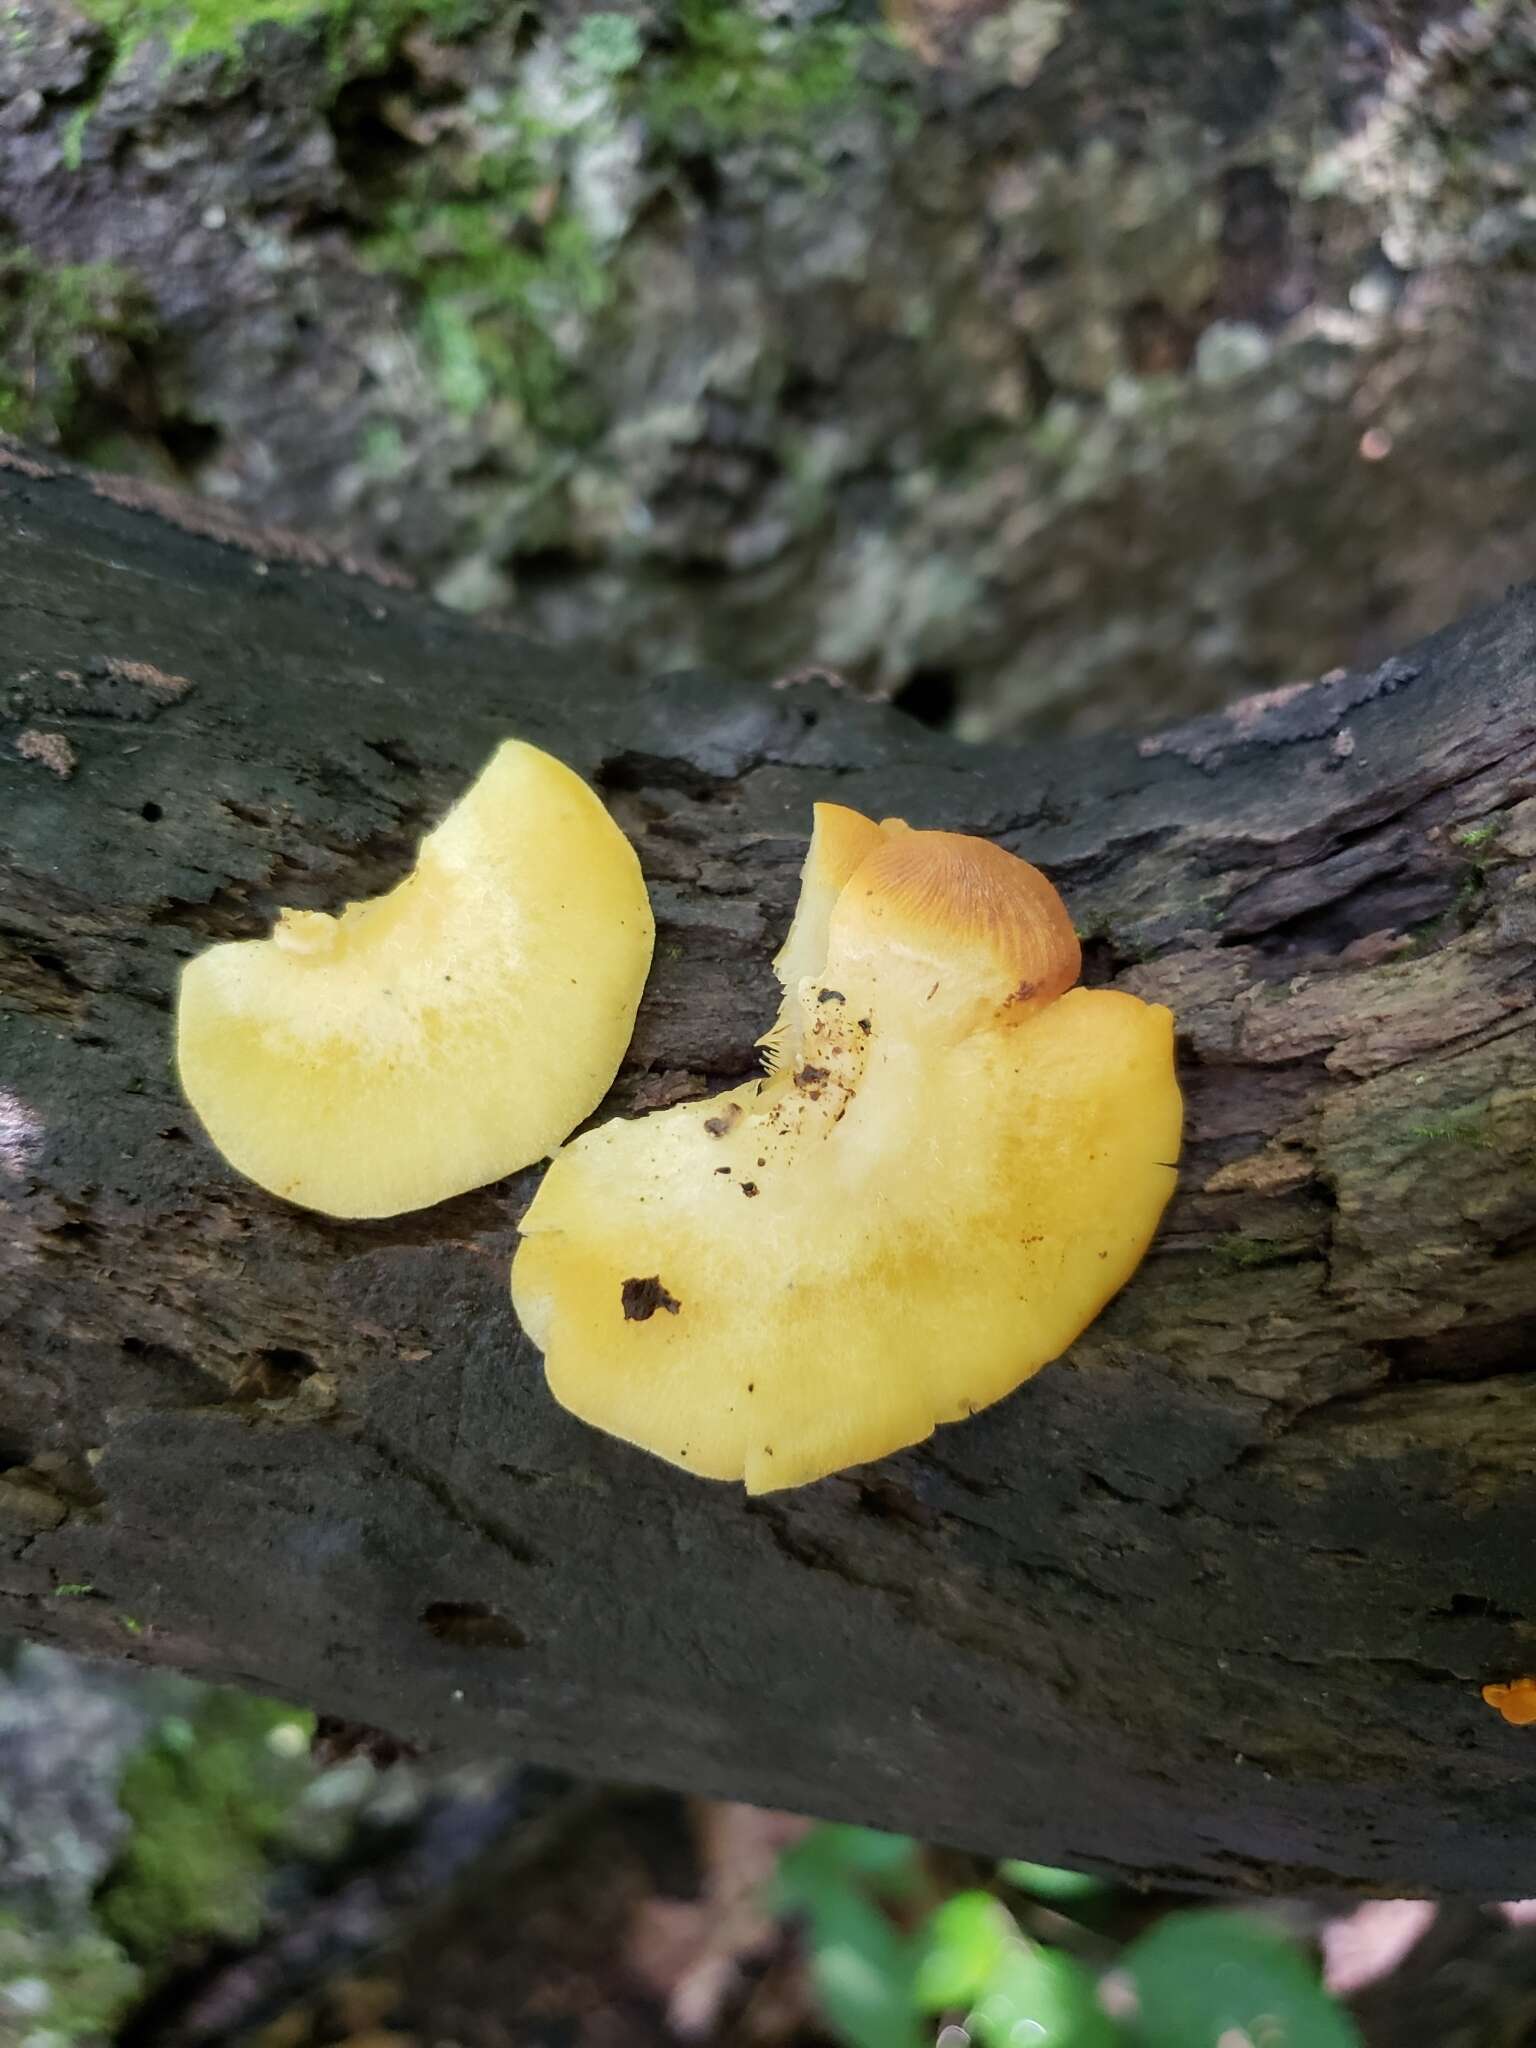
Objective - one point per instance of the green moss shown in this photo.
(53, 321)
(199, 28)
(506, 272)
(1470, 894)
(497, 272)
(358, 34)
(1466, 1126)
(504, 269)
(729, 76)
(72, 147)
(1238, 1250)
(191, 28)
(383, 449)
(205, 1796)
(61, 1989)
(1474, 836)
(607, 45)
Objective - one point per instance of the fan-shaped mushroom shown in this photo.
(438, 1037)
(955, 1161)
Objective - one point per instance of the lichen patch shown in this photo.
(167, 689)
(50, 750)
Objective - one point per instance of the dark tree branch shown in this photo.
(1209, 1601)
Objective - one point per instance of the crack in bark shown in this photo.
(510, 1542)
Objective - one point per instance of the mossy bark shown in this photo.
(1210, 1601)
(1012, 356)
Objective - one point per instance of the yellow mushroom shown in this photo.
(1516, 1702)
(956, 1159)
(436, 1038)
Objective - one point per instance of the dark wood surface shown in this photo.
(1210, 1601)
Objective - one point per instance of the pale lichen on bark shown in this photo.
(1021, 360)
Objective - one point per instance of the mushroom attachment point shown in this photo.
(956, 1158)
(436, 1038)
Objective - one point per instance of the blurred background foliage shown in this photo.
(1195, 1977)
(182, 1865)
(1029, 361)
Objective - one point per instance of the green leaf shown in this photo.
(1043, 1999)
(1057, 1887)
(868, 1852)
(844, 1856)
(1201, 1975)
(861, 1970)
(959, 1948)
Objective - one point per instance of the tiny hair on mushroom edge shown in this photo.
(955, 1158)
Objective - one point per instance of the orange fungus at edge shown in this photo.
(1515, 1701)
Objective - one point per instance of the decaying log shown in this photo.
(1210, 1601)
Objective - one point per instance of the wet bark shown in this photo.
(1210, 1601)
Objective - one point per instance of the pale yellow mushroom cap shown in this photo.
(436, 1038)
(956, 1163)
(840, 840)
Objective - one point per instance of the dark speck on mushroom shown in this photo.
(809, 1076)
(642, 1298)
(717, 1126)
(831, 995)
(749, 1188)
(864, 1026)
